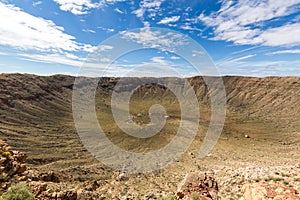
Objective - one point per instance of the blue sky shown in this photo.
(244, 37)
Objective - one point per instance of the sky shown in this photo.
(243, 37)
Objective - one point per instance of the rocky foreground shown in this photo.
(247, 183)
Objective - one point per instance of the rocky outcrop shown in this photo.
(259, 191)
(12, 170)
(12, 165)
(45, 176)
(198, 185)
(43, 191)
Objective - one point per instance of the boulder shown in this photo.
(38, 187)
(49, 176)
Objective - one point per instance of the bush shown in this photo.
(20, 191)
(6, 154)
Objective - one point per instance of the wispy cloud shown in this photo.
(157, 66)
(197, 53)
(110, 30)
(242, 58)
(164, 41)
(93, 49)
(149, 7)
(53, 58)
(290, 51)
(259, 68)
(64, 59)
(233, 61)
(118, 11)
(175, 57)
(188, 27)
(88, 31)
(36, 3)
(33, 33)
(168, 20)
(160, 60)
(104, 47)
(243, 23)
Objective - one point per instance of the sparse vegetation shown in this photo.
(20, 191)
(286, 183)
(3, 176)
(170, 197)
(285, 175)
(275, 179)
(195, 196)
(257, 179)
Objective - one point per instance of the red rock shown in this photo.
(200, 184)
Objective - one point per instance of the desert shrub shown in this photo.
(170, 197)
(20, 191)
(6, 154)
(195, 196)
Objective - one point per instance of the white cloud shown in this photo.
(81, 7)
(89, 31)
(168, 20)
(104, 47)
(77, 7)
(245, 22)
(69, 59)
(110, 30)
(287, 35)
(114, 1)
(160, 60)
(237, 65)
(289, 51)
(64, 59)
(139, 12)
(104, 60)
(36, 3)
(21, 30)
(198, 53)
(175, 57)
(151, 7)
(164, 41)
(89, 48)
(241, 58)
(234, 60)
(118, 11)
(188, 27)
